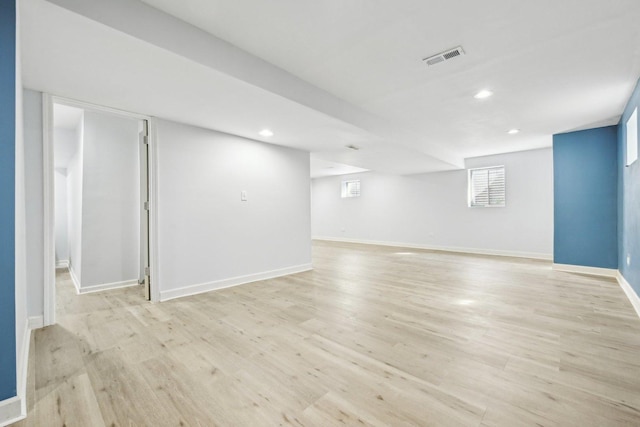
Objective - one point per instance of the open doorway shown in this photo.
(97, 227)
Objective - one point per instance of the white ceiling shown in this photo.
(320, 168)
(323, 75)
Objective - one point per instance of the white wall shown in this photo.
(61, 220)
(20, 229)
(21, 244)
(74, 207)
(66, 144)
(32, 107)
(431, 210)
(110, 200)
(208, 237)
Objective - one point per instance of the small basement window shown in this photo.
(487, 187)
(351, 188)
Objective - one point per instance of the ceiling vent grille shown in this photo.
(444, 56)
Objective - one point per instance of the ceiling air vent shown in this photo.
(444, 56)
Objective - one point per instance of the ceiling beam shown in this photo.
(160, 29)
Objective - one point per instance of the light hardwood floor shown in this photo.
(373, 336)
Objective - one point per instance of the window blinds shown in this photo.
(351, 188)
(487, 186)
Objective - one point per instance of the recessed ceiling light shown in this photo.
(266, 133)
(513, 131)
(484, 93)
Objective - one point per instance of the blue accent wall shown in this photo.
(629, 202)
(7, 199)
(585, 174)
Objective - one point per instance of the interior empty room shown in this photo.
(247, 213)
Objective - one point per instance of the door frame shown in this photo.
(49, 282)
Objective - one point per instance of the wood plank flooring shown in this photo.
(373, 336)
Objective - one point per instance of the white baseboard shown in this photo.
(15, 408)
(23, 368)
(63, 263)
(628, 290)
(80, 290)
(11, 411)
(227, 283)
(74, 279)
(107, 286)
(581, 269)
(475, 251)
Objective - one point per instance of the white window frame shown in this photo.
(347, 192)
(470, 191)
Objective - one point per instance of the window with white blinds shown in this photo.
(487, 187)
(351, 188)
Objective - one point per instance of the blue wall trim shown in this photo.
(7, 199)
(586, 198)
(629, 202)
